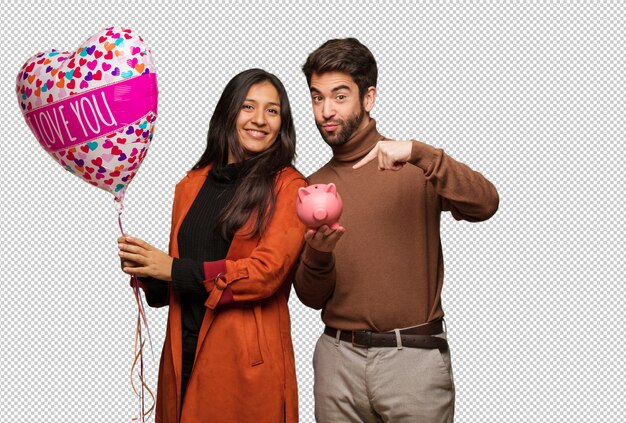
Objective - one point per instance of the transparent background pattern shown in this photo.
(531, 94)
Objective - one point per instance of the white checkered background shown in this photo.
(531, 95)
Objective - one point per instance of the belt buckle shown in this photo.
(369, 338)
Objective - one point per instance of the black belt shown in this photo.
(415, 337)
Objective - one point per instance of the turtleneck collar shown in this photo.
(358, 145)
(227, 174)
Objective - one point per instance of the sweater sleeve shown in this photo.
(188, 276)
(261, 274)
(315, 277)
(467, 194)
(156, 291)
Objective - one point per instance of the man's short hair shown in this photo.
(344, 55)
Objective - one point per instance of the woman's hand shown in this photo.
(125, 263)
(143, 260)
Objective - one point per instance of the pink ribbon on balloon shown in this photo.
(91, 114)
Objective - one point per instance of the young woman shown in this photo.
(235, 237)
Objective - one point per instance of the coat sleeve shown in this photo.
(261, 274)
(467, 194)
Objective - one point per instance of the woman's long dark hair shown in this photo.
(254, 192)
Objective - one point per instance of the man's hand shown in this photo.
(324, 238)
(391, 155)
(142, 259)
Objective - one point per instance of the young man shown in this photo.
(383, 355)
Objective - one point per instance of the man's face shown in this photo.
(337, 106)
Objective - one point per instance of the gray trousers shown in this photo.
(354, 384)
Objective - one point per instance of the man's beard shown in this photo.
(347, 128)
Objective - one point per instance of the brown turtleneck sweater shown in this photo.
(386, 271)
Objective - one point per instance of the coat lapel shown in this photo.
(240, 247)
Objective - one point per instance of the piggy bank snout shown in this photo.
(320, 214)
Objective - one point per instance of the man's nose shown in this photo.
(328, 109)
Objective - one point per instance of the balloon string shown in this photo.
(138, 351)
(138, 357)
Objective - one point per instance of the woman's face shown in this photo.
(258, 121)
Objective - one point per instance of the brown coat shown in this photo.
(244, 369)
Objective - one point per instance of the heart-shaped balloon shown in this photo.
(93, 110)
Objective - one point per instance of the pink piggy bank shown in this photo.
(319, 205)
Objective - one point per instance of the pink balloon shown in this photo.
(318, 205)
(93, 110)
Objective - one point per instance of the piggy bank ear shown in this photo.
(331, 188)
(302, 192)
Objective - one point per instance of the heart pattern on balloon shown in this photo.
(93, 110)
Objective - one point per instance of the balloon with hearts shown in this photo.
(93, 110)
